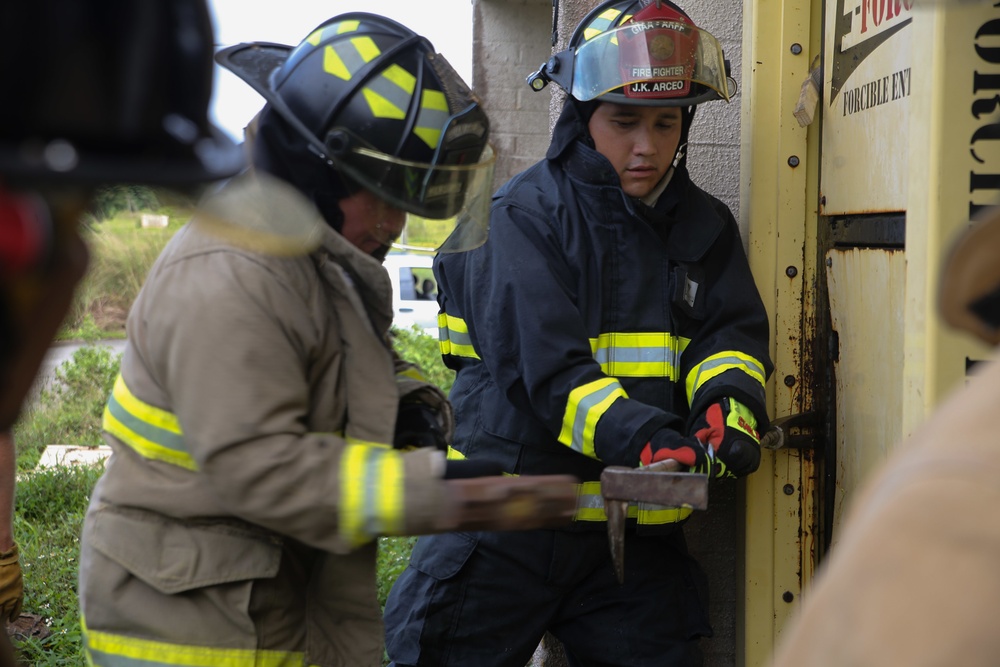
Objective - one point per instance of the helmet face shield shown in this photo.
(449, 203)
(651, 62)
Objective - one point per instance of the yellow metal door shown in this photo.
(850, 220)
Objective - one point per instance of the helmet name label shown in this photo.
(657, 72)
(638, 28)
(656, 87)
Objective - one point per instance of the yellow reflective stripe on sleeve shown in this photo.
(366, 443)
(111, 650)
(590, 507)
(387, 497)
(720, 363)
(453, 337)
(585, 406)
(652, 354)
(371, 493)
(151, 432)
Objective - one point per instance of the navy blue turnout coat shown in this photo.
(588, 320)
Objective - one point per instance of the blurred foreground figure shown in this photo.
(117, 93)
(914, 580)
(264, 431)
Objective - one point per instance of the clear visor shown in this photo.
(658, 60)
(448, 205)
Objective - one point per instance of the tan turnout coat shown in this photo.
(231, 523)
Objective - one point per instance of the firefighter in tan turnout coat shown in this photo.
(263, 429)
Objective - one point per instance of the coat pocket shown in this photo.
(442, 556)
(174, 557)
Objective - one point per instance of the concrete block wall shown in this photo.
(714, 153)
(510, 39)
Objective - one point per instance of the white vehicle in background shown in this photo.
(414, 291)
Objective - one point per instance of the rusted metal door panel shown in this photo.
(866, 290)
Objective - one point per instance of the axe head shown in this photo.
(655, 484)
(659, 484)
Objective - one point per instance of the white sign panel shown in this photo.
(867, 77)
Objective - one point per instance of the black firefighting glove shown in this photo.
(667, 443)
(11, 585)
(728, 431)
(417, 426)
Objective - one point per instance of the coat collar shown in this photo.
(684, 216)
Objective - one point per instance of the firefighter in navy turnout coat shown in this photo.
(610, 319)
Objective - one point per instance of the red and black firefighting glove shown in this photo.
(729, 432)
(669, 444)
(417, 426)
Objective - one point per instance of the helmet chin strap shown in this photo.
(679, 154)
(687, 118)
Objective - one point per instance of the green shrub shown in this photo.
(69, 411)
(418, 348)
(112, 200)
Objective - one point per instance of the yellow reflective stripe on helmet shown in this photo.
(112, 650)
(453, 336)
(432, 118)
(343, 59)
(151, 432)
(367, 48)
(371, 493)
(388, 95)
(402, 80)
(720, 363)
(653, 354)
(590, 507)
(601, 23)
(584, 408)
(339, 28)
(314, 37)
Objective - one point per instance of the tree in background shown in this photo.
(115, 199)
